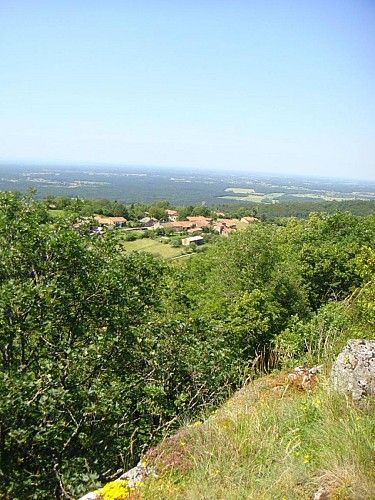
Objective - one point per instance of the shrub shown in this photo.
(130, 236)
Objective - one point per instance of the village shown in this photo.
(192, 228)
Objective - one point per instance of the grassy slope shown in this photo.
(271, 441)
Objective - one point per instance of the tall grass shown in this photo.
(271, 441)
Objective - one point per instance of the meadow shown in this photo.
(153, 246)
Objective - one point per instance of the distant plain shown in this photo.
(132, 184)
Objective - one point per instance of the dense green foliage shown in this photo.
(300, 209)
(135, 211)
(102, 350)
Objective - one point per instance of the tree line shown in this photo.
(136, 211)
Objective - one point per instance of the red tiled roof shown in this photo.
(200, 218)
(182, 223)
(229, 222)
(117, 219)
(108, 220)
(102, 220)
(201, 223)
(250, 219)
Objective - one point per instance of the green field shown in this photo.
(243, 191)
(325, 197)
(57, 213)
(153, 246)
(253, 198)
(251, 195)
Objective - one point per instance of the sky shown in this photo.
(272, 86)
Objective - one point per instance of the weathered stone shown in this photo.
(304, 378)
(137, 474)
(354, 369)
(321, 494)
(90, 496)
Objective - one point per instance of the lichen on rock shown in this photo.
(354, 369)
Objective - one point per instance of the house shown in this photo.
(110, 222)
(196, 240)
(172, 215)
(200, 218)
(118, 221)
(202, 223)
(148, 221)
(232, 223)
(194, 230)
(177, 226)
(249, 220)
(224, 229)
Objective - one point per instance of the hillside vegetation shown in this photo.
(103, 351)
(275, 439)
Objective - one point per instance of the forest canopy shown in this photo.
(103, 350)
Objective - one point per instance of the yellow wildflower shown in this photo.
(115, 490)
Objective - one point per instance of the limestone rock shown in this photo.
(354, 369)
(90, 496)
(321, 494)
(137, 474)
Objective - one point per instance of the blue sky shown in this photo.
(264, 85)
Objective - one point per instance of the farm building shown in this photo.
(197, 240)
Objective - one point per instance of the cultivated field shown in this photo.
(153, 246)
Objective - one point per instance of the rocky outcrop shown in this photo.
(134, 477)
(354, 369)
(137, 474)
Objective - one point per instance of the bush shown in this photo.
(175, 243)
(130, 236)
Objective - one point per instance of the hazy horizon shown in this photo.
(79, 166)
(272, 88)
